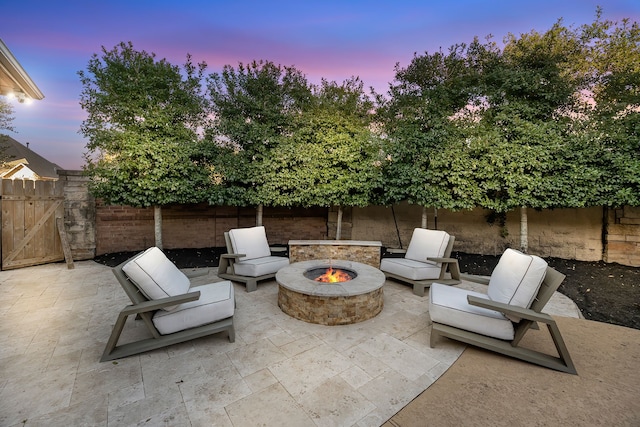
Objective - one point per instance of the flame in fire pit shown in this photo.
(333, 276)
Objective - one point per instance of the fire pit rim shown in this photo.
(368, 279)
(352, 273)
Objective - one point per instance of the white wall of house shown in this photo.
(20, 172)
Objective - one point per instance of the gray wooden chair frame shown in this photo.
(226, 268)
(143, 308)
(530, 317)
(448, 264)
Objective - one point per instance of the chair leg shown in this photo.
(115, 336)
(251, 285)
(433, 338)
(563, 352)
(562, 363)
(418, 289)
(223, 265)
(454, 270)
(232, 334)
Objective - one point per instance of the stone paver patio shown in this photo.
(280, 371)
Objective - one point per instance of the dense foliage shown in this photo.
(509, 128)
(279, 141)
(330, 158)
(255, 107)
(142, 125)
(549, 120)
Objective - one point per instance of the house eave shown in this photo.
(13, 78)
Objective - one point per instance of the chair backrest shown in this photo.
(132, 291)
(516, 279)
(552, 281)
(427, 243)
(252, 242)
(156, 276)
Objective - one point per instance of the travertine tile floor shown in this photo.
(54, 323)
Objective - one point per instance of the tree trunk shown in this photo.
(424, 217)
(259, 215)
(524, 231)
(157, 225)
(339, 224)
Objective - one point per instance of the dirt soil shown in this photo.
(604, 292)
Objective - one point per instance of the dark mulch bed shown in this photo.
(604, 292)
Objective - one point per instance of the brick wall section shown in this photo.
(95, 229)
(623, 236)
(124, 228)
(79, 215)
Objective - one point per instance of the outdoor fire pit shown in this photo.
(330, 274)
(330, 292)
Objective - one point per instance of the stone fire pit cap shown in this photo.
(335, 242)
(292, 278)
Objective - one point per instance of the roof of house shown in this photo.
(15, 153)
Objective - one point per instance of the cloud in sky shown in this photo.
(324, 39)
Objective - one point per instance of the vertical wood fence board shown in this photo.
(32, 210)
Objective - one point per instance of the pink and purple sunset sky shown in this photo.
(324, 39)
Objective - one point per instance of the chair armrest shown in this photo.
(157, 304)
(524, 313)
(437, 259)
(483, 280)
(232, 256)
(195, 273)
(397, 251)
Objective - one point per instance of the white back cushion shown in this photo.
(517, 278)
(250, 241)
(156, 276)
(427, 243)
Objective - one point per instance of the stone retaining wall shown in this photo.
(79, 214)
(623, 236)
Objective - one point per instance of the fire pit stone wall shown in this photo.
(365, 252)
(339, 303)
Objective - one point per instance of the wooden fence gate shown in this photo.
(29, 211)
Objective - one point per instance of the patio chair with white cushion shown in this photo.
(172, 310)
(519, 288)
(249, 259)
(426, 260)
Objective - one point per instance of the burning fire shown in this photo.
(333, 276)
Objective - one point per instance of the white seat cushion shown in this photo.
(449, 306)
(252, 242)
(517, 279)
(410, 269)
(260, 266)
(217, 302)
(156, 276)
(427, 243)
